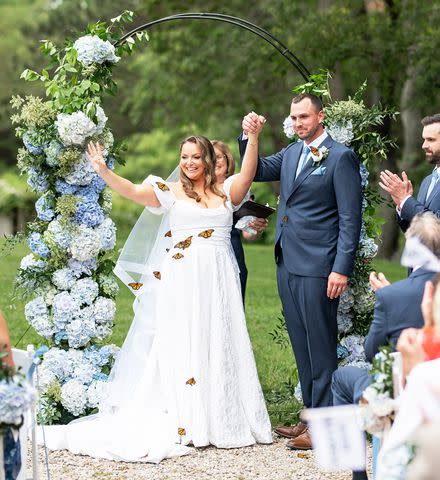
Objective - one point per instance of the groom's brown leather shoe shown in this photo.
(291, 432)
(302, 442)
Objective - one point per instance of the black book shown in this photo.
(254, 209)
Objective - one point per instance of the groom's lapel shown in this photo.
(292, 166)
(309, 167)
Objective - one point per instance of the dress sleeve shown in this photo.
(227, 189)
(163, 193)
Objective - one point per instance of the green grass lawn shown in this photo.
(275, 364)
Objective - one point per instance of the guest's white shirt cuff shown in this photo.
(399, 207)
(244, 136)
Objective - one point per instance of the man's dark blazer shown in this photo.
(397, 307)
(319, 212)
(412, 207)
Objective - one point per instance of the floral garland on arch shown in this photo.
(354, 124)
(68, 276)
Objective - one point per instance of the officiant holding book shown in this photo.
(317, 234)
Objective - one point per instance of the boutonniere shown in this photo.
(318, 155)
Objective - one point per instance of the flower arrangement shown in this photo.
(353, 123)
(68, 276)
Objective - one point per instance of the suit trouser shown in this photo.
(311, 322)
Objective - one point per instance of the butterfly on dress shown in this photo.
(135, 285)
(181, 431)
(177, 256)
(191, 381)
(163, 186)
(184, 243)
(206, 233)
(157, 275)
(168, 234)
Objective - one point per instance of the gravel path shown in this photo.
(263, 462)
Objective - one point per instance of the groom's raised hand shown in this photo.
(252, 123)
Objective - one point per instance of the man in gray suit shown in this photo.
(401, 190)
(317, 234)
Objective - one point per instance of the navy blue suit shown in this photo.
(397, 307)
(317, 232)
(412, 207)
(237, 246)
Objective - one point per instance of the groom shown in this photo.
(317, 234)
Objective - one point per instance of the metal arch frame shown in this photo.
(239, 22)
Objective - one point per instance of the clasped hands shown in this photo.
(253, 123)
(398, 188)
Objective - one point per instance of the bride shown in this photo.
(186, 373)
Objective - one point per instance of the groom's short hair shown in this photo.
(426, 228)
(316, 101)
(430, 119)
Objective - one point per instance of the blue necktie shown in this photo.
(302, 160)
(434, 179)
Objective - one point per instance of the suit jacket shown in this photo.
(412, 207)
(397, 307)
(319, 212)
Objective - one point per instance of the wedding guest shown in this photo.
(401, 189)
(224, 168)
(397, 307)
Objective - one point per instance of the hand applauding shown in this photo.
(398, 188)
(94, 154)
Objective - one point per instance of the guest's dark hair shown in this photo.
(316, 101)
(430, 119)
(426, 228)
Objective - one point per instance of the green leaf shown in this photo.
(30, 75)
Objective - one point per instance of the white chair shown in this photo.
(23, 361)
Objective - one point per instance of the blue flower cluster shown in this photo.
(16, 398)
(64, 188)
(52, 151)
(85, 291)
(79, 268)
(64, 278)
(86, 244)
(364, 175)
(89, 214)
(82, 173)
(45, 207)
(65, 308)
(104, 310)
(37, 180)
(37, 314)
(57, 234)
(37, 245)
(107, 233)
(91, 49)
(30, 141)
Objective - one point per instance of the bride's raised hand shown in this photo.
(94, 154)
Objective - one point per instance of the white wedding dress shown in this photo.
(196, 380)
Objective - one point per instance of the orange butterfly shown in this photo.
(191, 381)
(168, 234)
(184, 244)
(178, 256)
(157, 275)
(181, 432)
(314, 150)
(135, 285)
(206, 233)
(163, 187)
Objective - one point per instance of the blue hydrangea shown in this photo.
(82, 172)
(98, 183)
(37, 180)
(100, 356)
(32, 144)
(110, 163)
(85, 291)
(364, 175)
(89, 214)
(79, 268)
(346, 300)
(65, 188)
(101, 377)
(15, 400)
(345, 322)
(355, 347)
(368, 248)
(342, 351)
(52, 151)
(65, 308)
(45, 207)
(37, 314)
(92, 49)
(107, 233)
(104, 311)
(88, 193)
(58, 234)
(86, 244)
(37, 245)
(64, 278)
(80, 332)
(60, 336)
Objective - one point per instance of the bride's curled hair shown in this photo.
(208, 160)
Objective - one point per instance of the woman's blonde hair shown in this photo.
(230, 162)
(208, 159)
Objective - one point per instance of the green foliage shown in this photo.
(66, 205)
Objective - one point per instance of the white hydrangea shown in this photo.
(47, 291)
(74, 128)
(83, 370)
(58, 362)
(86, 244)
(64, 278)
(95, 393)
(80, 332)
(85, 291)
(65, 309)
(288, 127)
(74, 397)
(91, 49)
(104, 309)
(107, 233)
(82, 173)
(57, 234)
(342, 133)
(31, 262)
(103, 331)
(37, 314)
(380, 403)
